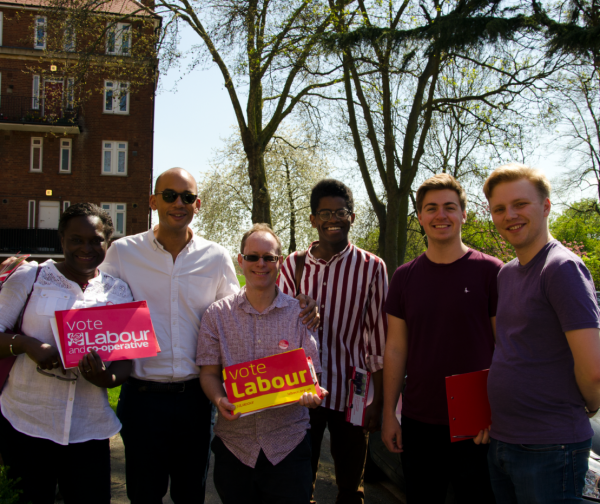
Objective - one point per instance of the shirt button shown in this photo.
(324, 283)
(70, 398)
(174, 322)
(322, 306)
(259, 341)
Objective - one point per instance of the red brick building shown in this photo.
(56, 150)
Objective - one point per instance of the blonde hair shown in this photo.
(514, 171)
(437, 183)
(255, 229)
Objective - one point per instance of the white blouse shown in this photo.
(38, 405)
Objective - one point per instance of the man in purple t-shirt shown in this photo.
(441, 309)
(544, 381)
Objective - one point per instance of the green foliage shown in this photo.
(242, 280)
(575, 31)
(113, 397)
(8, 493)
(578, 228)
(479, 233)
(471, 23)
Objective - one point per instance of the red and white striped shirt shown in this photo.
(350, 290)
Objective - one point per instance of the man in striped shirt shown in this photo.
(350, 286)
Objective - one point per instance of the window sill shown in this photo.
(114, 174)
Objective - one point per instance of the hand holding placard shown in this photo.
(115, 332)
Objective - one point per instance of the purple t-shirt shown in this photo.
(531, 385)
(447, 310)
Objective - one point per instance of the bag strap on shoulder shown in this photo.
(20, 318)
(300, 260)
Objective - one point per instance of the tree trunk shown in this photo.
(402, 229)
(390, 255)
(261, 199)
(288, 183)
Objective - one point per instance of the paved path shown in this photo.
(380, 493)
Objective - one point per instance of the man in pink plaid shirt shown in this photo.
(269, 452)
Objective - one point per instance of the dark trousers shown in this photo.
(431, 462)
(166, 432)
(348, 449)
(82, 470)
(285, 483)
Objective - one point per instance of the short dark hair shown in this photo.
(260, 227)
(330, 187)
(437, 183)
(86, 210)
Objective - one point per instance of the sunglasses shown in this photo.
(267, 258)
(61, 378)
(169, 196)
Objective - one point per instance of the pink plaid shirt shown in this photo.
(232, 332)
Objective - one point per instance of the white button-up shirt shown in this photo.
(178, 293)
(42, 406)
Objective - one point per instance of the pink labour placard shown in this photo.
(116, 332)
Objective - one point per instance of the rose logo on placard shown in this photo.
(75, 338)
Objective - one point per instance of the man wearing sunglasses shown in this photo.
(268, 452)
(350, 286)
(165, 415)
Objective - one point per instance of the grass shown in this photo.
(113, 397)
(113, 393)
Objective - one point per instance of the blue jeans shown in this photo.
(538, 473)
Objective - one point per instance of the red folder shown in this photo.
(468, 405)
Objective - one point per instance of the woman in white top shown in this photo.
(55, 424)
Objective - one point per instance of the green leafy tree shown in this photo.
(402, 61)
(294, 164)
(578, 228)
(572, 29)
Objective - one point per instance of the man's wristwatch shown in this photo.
(591, 412)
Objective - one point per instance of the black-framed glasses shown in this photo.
(52, 375)
(342, 213)
(267, 258)
(169, 196)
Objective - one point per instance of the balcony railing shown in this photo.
(30, 241)
(29, 110)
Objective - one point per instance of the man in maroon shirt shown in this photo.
(350, 286)
(441, 321)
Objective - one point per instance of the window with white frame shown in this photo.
(114, 157)
(65, 155)
(66, 204)
(37, 148)
(69, 38)
(118, 39)
(31, 214)
(35, 93)
(116, 97)
(39, 33)
(118, 214)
